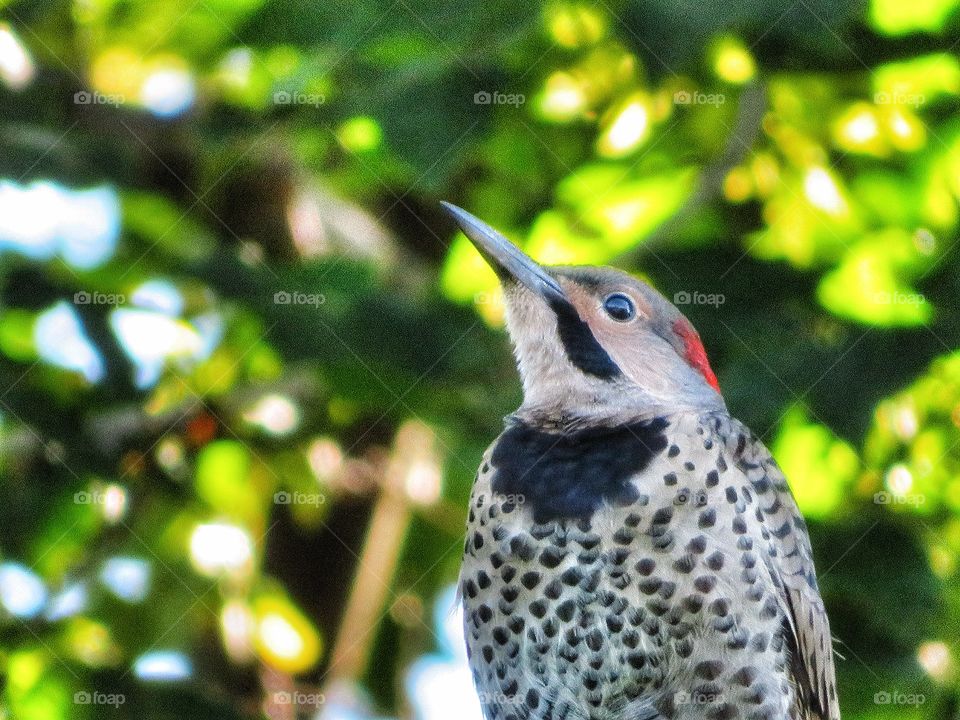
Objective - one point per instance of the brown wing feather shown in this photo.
(792, 567)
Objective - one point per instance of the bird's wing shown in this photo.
(793, 572)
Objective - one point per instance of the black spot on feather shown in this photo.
(570, 475)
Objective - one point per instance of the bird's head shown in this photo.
(594, 343)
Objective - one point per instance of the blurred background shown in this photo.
(248, 368)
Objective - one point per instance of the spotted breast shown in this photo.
(653, 570)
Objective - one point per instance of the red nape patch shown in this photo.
(695, 353)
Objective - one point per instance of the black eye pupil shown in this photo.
(619, 307)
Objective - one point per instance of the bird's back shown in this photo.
(656, 569)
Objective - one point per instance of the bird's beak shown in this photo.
(507, 260)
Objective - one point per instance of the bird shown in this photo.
(632, 552)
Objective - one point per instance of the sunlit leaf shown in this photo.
(35, 688)
(284, 638)
(223, 480)
(16, 335)
(465, 272)
(810, 217)
(360, 134)
(91, 643)
(869, 284)
(819, 465)
(574, 24)
(732, 60)
(244, 79)
(554, 242)
(898, 18)
(625, 127)
(562, 99)
(916, 81)
(625, 211)
(914, 440)
(859, 129)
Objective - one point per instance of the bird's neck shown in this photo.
(569, 413)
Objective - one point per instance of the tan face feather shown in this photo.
(646, 348)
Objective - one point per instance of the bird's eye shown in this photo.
(619, 307)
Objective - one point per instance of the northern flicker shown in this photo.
(633, 552)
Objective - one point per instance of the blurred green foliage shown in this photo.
(788, 173)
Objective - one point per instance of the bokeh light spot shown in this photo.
(168, 92)
(61, 341)
(218, 548)
(823, 192)
(275, 414)
(16, 65)
(22, 592)
(162, 666)
(628, 128)
(127, 578)
(360, 134)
